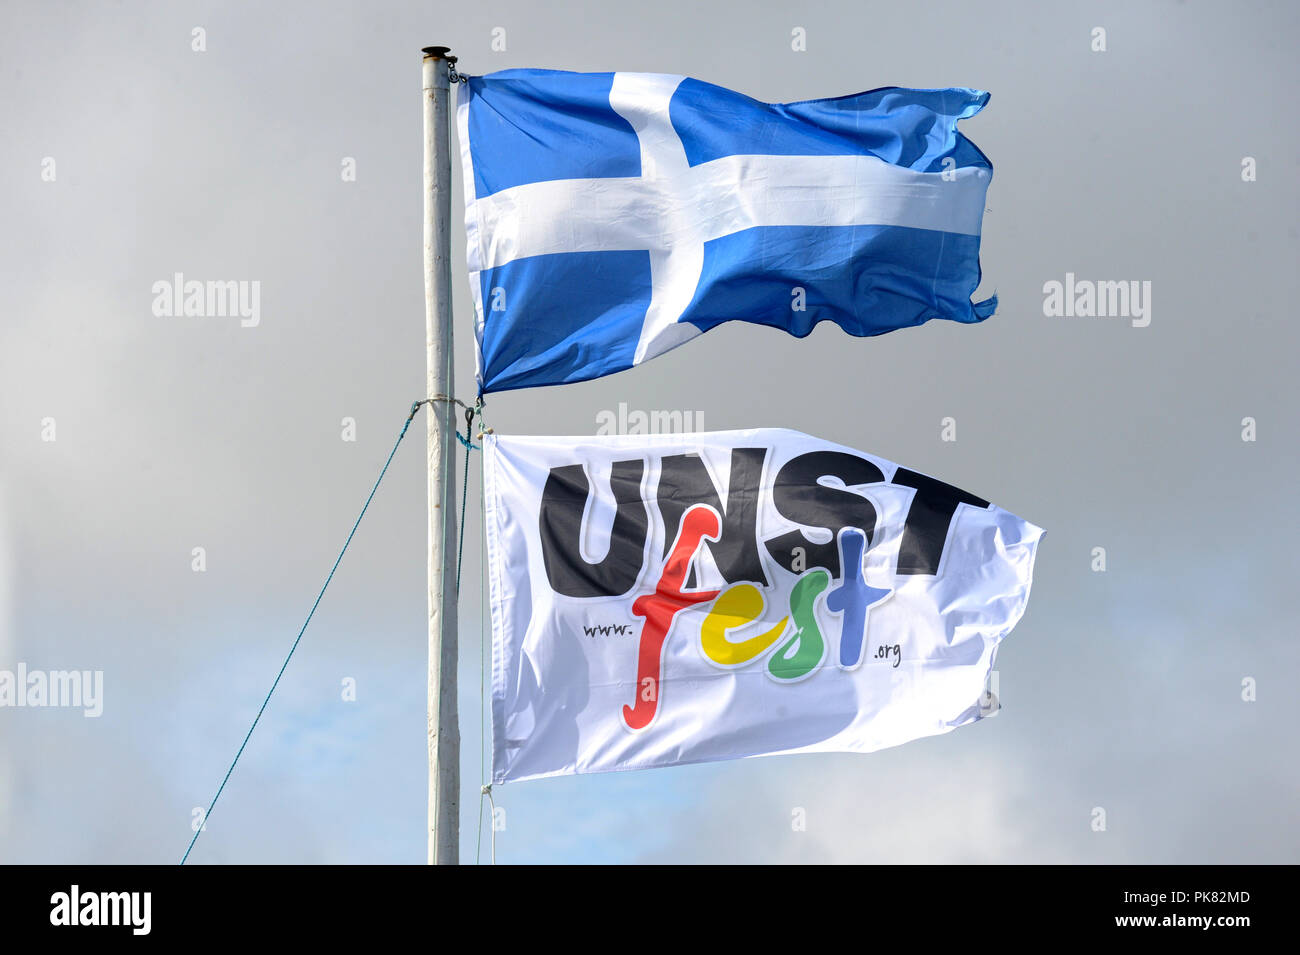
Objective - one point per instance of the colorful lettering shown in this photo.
(737, 607)
(659, 608)
(803, 651)
(853, 597)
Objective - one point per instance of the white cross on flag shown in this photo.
(613, 216)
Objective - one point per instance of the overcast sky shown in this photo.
(128, 156)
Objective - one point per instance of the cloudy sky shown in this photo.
(128, 439)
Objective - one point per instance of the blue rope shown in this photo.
(415, 406)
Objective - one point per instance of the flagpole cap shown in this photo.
(438, 52)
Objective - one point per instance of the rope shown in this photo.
(486, 788)
(482, 671)
(415, 406)
(464, 486)
(487, 791)
(448, 398)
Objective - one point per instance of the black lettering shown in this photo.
(684, 481)
(800, 498)
(925, 530)
(564, 499)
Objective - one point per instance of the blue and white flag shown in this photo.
(613, 216)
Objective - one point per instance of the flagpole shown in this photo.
(444, 729)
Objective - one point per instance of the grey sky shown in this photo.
(1121, 690)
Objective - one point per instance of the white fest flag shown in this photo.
(668, 599)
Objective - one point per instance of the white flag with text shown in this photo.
(668, 599)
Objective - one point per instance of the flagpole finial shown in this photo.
(437, 52)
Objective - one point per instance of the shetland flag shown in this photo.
(613, 216)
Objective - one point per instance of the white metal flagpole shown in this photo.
(444, 728)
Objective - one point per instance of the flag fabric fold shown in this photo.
(613, 216)
(667, 599)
